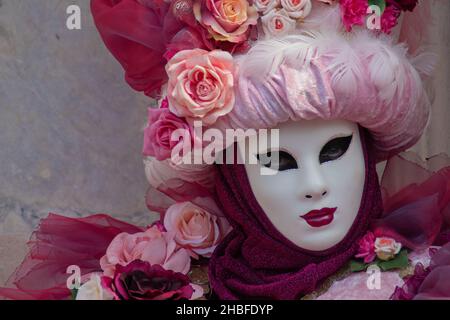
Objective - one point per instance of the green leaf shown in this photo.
(380, 3)
(357, 266)
(73, 294)
(399, 262)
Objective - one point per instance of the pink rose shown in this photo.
(195, 229)
(297, 8)
(366, 248)
(277, 23)
(265, 6)
(153, 246)
(226, 20)
(353, 12)
(158, 141)
(387, 248)
(201, 84)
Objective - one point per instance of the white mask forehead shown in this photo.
(315, 204)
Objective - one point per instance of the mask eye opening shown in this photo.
(335, 149)
(278, 160)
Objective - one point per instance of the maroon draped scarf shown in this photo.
(255, 261)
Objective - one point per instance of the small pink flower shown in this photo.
(158, 140)
(152, 246)
(226, 20)
(195, 229)
(366, 248)
(353, 12)
(387, 248)
(201, 84)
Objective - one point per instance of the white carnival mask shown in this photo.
(315, 196)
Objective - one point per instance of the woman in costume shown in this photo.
(342, 81)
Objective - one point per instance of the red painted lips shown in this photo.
(319, 218)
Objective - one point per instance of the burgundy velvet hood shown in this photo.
(255, 261)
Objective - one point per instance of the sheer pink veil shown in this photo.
(416, 200)
(137, 32)
(60, 242)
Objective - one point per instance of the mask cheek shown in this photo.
(346, 182)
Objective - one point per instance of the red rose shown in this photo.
(141, 281)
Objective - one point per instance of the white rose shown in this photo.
(265, 6)
(387, 248)
(93, 290)
(277, 23)
(297, 8)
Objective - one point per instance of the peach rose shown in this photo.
(226, 20)
(195, 229)
(387, 248)
(153, 246)
(297, 8)
(201, 84)
(277, 23)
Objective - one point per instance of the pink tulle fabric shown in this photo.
(416, 201)
(437, 284)
(142, 35)
(170, 183)
(416, 198)
(58, 243)
(430, 282)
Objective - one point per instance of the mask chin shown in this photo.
(315, 196)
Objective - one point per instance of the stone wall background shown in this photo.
(70, 127)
